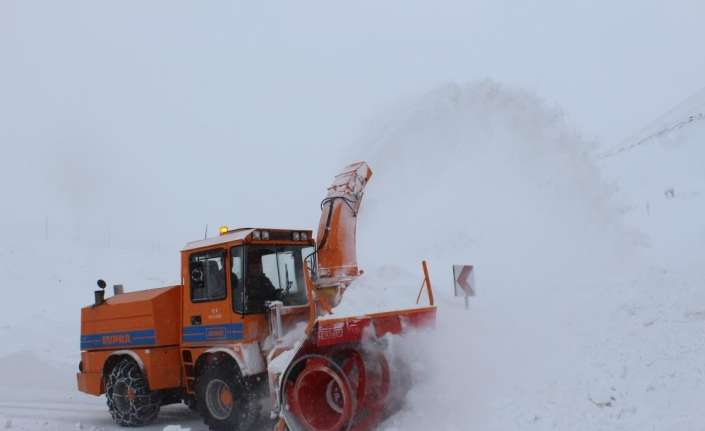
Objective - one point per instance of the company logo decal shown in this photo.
(196, 333)
(146, 337)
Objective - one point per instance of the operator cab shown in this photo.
(233, 276)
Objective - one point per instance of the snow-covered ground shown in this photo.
(590, 312)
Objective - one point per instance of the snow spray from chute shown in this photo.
(485, 174)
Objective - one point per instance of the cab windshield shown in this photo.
(273, 273)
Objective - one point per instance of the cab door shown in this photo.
(253, 325)
(207, 315)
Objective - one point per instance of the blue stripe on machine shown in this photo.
(232, 331)
(145, 337)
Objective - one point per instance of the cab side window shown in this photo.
(207, 276)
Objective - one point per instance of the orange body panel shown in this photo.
(90, 383)
(146, 318)
(144, 325)
(162, 366)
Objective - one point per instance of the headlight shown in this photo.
(295, 236)
(265, 234)
(303, 236)
(256, 235)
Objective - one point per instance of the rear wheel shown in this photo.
(224, 400)
(130, 401)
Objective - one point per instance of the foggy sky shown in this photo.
(152, 119)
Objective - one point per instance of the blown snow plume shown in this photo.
(487, 175)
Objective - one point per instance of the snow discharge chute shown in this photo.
(337, 258)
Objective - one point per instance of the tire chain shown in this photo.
(143, 408)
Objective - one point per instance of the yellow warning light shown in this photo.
(223, 230)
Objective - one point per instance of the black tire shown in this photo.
(191, 404)
(130, 401)
(218, 384)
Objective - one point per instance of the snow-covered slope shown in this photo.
(660, 175)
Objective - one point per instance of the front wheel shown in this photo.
(224, 400)
(130, 401)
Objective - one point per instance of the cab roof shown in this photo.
(233, 235)
(242, 234)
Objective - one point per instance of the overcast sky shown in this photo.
(153, 118)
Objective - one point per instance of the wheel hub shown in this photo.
(219, 399)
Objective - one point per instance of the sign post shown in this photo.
(464, 281)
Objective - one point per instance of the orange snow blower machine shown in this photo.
(253, 321)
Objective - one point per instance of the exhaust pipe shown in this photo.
(99, 295)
